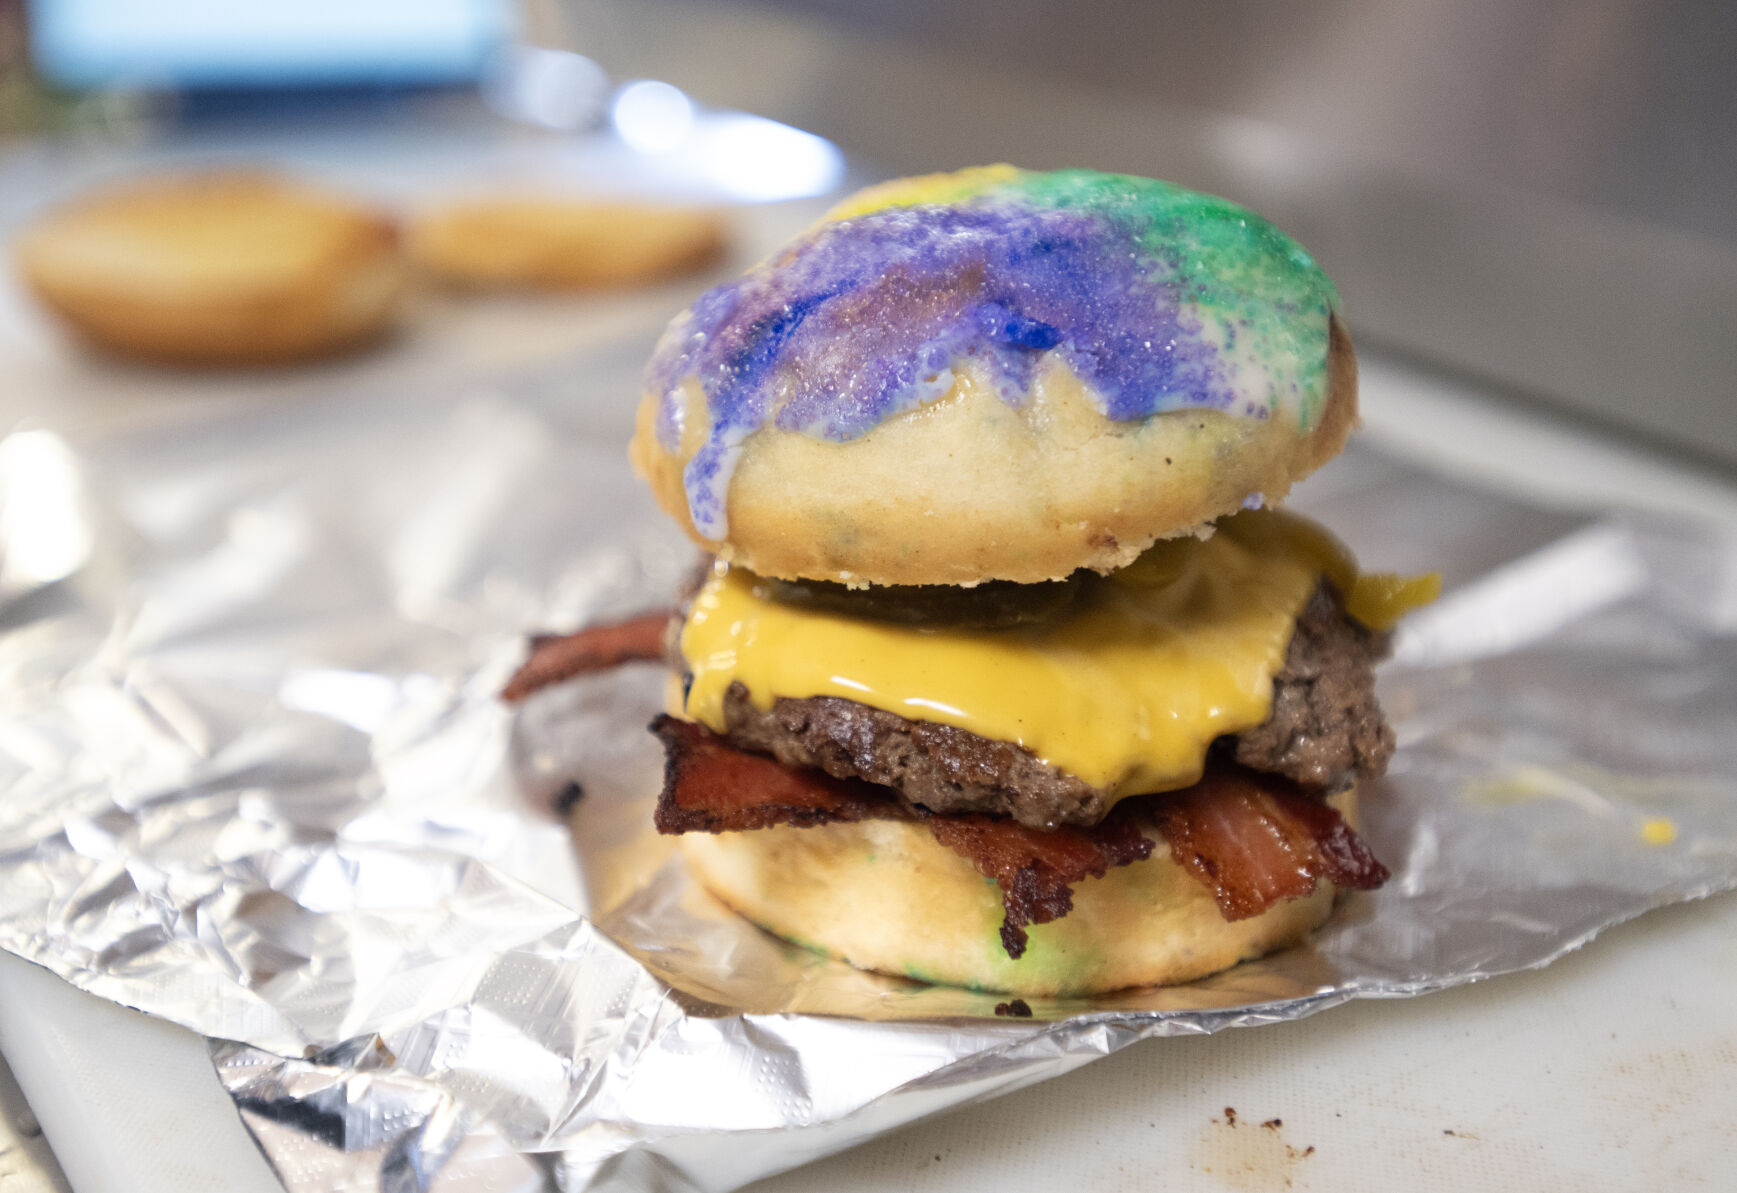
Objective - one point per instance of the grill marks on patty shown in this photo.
(1325, 730)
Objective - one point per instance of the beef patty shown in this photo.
(1325, 730)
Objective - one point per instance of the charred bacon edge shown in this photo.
(705, 780)
(558, 657)
(1036, 869)
(1254, 839)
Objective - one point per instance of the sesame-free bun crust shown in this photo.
(969, 488)
(561, 244)
(230, 268)
(884, 895)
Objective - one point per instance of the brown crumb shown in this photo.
(1018, 1009)
(568, 797)
(1273, 1124)
(1230, 1116)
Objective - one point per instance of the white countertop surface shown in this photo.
(1614, 1068)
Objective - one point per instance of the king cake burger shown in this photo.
(1005, 671)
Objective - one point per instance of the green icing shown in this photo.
(1230, 261)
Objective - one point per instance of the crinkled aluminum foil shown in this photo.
(259, 784)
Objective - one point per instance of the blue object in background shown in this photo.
(234, 43)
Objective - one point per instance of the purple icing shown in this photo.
(865, 318)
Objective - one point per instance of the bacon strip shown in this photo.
(1251, 839)
(555, 657)
(711, 787)
(1036, 869)
(1254, 839)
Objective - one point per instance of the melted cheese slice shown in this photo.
(1126, 688)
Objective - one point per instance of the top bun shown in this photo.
(996, 375)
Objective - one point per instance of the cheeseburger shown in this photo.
(1005, 672)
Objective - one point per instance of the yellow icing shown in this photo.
(952, 187)
(1126, 689)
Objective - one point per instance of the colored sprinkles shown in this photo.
(1157, 297)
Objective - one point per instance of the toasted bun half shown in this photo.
(885, 895)
(561, 244)
(230, 268)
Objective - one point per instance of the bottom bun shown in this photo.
(885, 895)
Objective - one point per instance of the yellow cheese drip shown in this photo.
(1126, 689)
(1659, 831)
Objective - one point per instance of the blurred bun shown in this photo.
(561, 244)
(228, 268)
